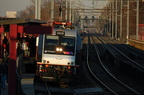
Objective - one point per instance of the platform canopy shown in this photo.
(27, 25)
(7, 21)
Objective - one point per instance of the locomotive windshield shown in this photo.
(67, 44)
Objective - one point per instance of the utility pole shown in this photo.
(82, 22)
(37, 9)
(116, 20)
(52, 10)
(121, 16)
(70, 11)
(66, 12)
(127, 36)
(112, 19)
(137, 20)
(60, 10)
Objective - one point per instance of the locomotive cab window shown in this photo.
(50, 43)
(67, 44)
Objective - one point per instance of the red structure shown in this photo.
(1, 31)
(31, 26)
(61, 23)
(141, 32)
(12, 60)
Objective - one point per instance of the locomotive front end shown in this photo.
(57, 59)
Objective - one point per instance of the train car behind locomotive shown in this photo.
(58, 54)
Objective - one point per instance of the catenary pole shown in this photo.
(116, 20)
(137, 20)
(52, 10)
(70, 11)
(127, 36)
(121, 16)
(66, 12)
(61, 5)
(112, 19)
(37, 9)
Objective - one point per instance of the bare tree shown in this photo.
(29, 12)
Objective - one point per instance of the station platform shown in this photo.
(26, 85)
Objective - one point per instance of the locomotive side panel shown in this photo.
(40, 48)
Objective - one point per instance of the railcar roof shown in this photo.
(68, 32)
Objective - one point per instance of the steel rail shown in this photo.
(87, 57)
(48, 91)
(116, 78)
(74, 93)
(136, 64)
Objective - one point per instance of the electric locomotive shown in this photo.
(59, 54)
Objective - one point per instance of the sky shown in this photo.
(18, 5)
(97, 3)
(94, 4)
(12, 5)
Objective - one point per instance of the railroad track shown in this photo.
(126, 69)
(101, 73)
(41, 87)
(134, 55)
(47, 88)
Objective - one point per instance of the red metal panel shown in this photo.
(1, 29)
(69, 23)
(58, 23)
(35, 29)
(1, 46)
(62, 23)
(12, 60)
(20, 29)
(141, 25)
(142, 36)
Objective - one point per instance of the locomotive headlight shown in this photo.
(59, 49)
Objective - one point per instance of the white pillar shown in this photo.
(37, 9)
(52, 10)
